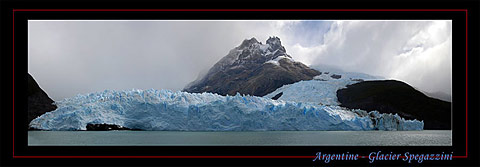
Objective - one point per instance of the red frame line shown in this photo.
(13, 81)
(138, 156)
(231, 10)
(466, 84)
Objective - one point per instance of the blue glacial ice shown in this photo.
(181, 111)
(322, 90)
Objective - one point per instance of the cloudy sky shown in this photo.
(71, 57)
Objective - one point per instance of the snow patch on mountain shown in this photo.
(275, 61)
(264, 47)
(181, 111)
(271, 51)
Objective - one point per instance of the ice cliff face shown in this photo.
(182, 111)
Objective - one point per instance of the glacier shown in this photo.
(322, 90)
(181, 111)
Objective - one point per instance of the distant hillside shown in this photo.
(439, 95)
(392, 96)
(38, 101)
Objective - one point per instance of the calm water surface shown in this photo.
(269, 138)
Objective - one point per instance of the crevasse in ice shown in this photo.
(181, 111)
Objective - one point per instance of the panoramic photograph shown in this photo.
(239, 83)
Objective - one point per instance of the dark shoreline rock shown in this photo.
(34, 129)
(106, 127)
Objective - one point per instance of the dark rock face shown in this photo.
(105, 127)
(354, 79)
(38, 101)
(439, 95)
(335, 76)
(397, 97)
(254, 69)
(277, 96)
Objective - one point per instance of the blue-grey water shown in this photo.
(268, 138)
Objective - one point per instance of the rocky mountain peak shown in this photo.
(252, 68)
(275, 44)
(248, 42)
(251, 53)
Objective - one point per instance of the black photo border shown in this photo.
(277, 154)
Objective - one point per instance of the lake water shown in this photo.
(268, 138)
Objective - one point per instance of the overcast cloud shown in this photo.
(71, 57)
